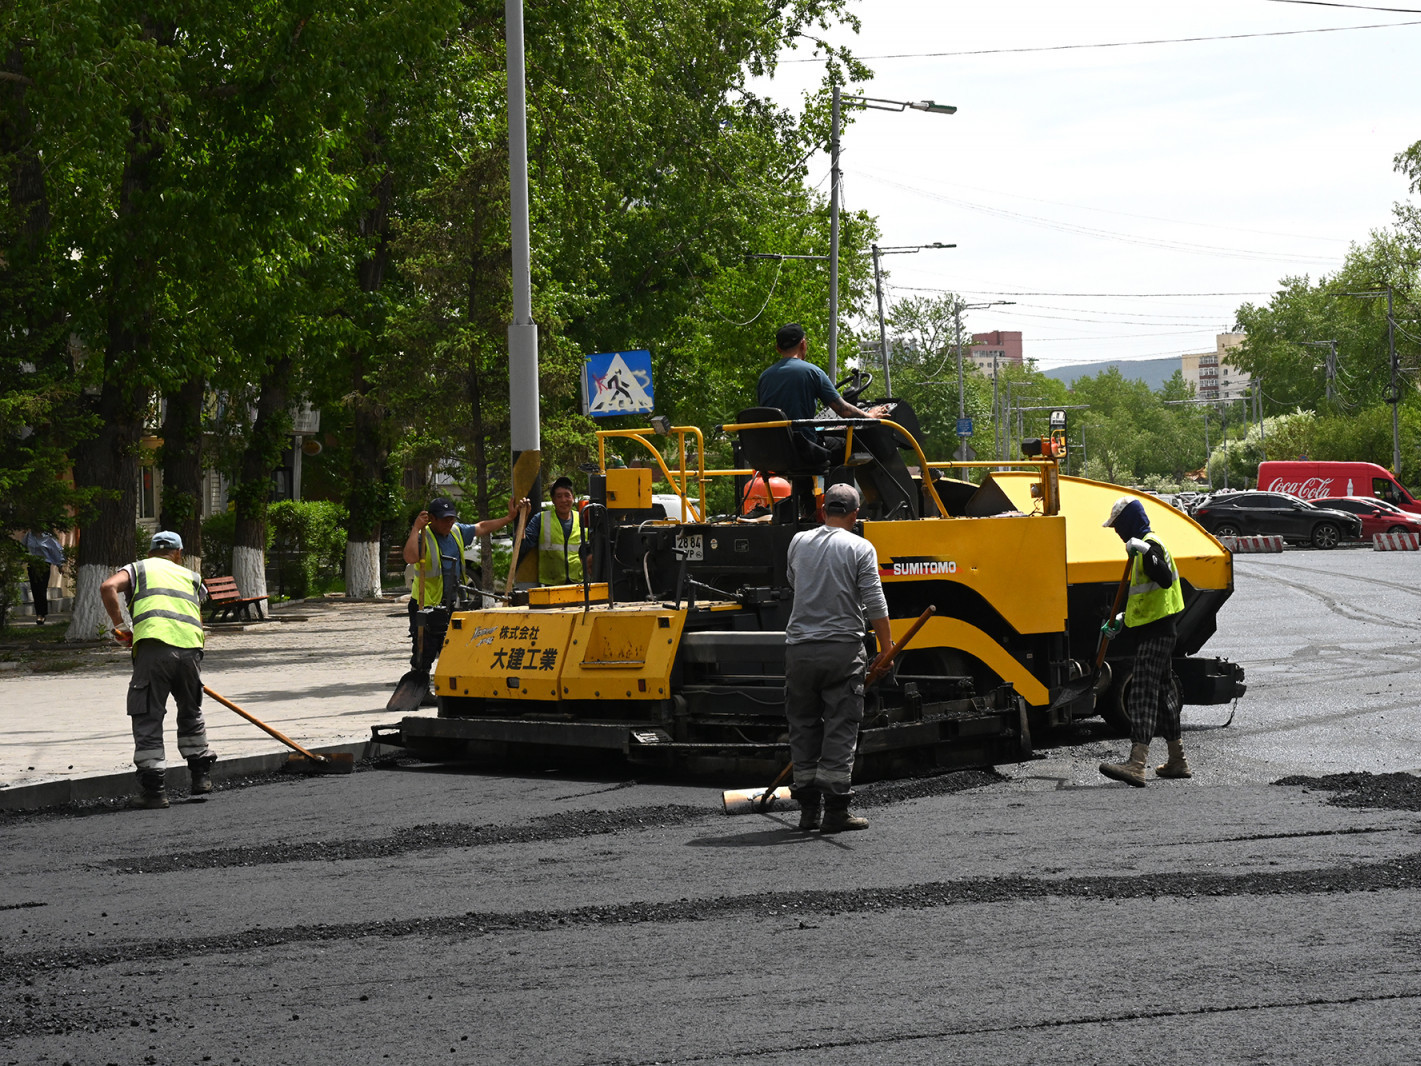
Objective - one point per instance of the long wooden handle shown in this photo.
(517, 543)
(878, 672)
(262, 725)
(1120, 591)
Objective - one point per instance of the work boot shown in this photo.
(837, 817)
(152, 796)
(811, 807)
(1131, 772)
(199, 768)
(1178, 765)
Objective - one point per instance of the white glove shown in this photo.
(1136, 546)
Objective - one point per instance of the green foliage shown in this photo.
(219, 533)
(307, 545)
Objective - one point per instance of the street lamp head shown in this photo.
(935, 108)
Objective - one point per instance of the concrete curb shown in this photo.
(89, 787)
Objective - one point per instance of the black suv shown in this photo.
(1248, 513)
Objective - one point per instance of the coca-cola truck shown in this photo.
(1313, 480)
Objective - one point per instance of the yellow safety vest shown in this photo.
(429, 571)
(1148, 601)
(558, 560)
(165, 604)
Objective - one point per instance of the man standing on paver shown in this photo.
(1150, 614)
(557, 535)
(834, 574)
(164, 601)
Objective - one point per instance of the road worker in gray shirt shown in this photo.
(834, 574)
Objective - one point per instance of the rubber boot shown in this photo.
(1178, 765)
(1132, 772)
(837, 817)
(152, 796)
(200, 770)
(811, 807)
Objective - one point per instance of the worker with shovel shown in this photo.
(436, 547)
(834, 574)
(1150, 614)
(164, 601)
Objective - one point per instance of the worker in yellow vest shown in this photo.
(1151, 612)
(556, 534)
(164, 600)
(435, 547)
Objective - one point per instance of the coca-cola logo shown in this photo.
(1314, 488)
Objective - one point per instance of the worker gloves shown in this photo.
(1111, 629)
(1136, 546)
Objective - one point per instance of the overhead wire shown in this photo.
(1119, 44)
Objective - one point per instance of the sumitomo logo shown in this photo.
(917, 567)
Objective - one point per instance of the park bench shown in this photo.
(226, 604)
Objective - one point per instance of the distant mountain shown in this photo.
(1153, 372)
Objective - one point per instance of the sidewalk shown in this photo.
(320, 672)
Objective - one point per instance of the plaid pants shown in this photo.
(1151, 698)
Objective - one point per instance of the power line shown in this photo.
(1102, 295)
(1121, 44)
(1354, 7)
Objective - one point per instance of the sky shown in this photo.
(1126, 199)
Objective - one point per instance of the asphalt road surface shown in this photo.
(410, 914)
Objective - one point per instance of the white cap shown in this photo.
(1120, 505)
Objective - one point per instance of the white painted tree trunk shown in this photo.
(90, 621)
(193, 563)
(362, 569)
(249, 569)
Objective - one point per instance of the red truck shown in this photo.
(1316, 480)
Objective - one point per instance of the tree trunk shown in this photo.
(269, 433)
(182, 469)
(108, 462)
(370, 454)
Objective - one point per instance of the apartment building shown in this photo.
(1213, 376)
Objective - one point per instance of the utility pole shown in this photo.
(525, 419)
(1330, 370)
(957, 308)
(1392, 394)
(878, 288)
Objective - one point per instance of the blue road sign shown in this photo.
(964, 427)
(617, 383)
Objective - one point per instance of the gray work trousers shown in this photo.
(160, 669)
(824, 706)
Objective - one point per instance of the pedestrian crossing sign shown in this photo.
(617, 383)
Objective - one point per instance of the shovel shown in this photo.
(1074, 690)
(760, 800)
(310, 762)
(414, 685)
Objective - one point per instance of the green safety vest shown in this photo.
(558, 560)
(1148, 601)
(429, 571)
(165, 605)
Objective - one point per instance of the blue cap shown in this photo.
(165, 541)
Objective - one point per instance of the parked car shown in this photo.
(1377, 516)
(1277, 513)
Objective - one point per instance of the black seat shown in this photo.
(780, 449)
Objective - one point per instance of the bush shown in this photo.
(306, 545)
(218, 534)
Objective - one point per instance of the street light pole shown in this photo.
(834, 239)
(878, 288)
(834, 179)
(957, 308)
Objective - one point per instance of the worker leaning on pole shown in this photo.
(1150, 614)
(165, 602)
(435, 547)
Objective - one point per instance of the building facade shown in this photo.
(1213, 376)
(997, 348)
